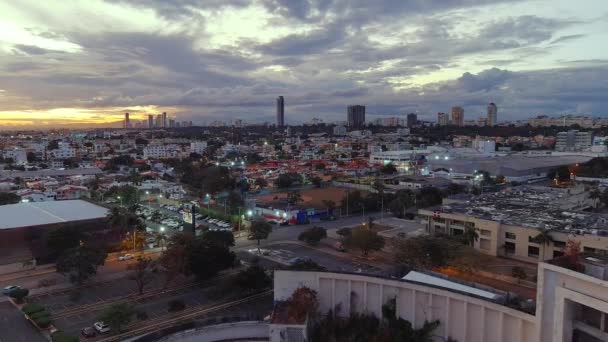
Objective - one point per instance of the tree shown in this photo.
(543, 238)
(80, 263)
(207, 258)
(423, 252)
(428, 197)
(117, 316)
(388, 169)
(317, 181)
(31, 157)
(220, 237)
(259, 230)
(261, 182)
(156, 216)
(286, 180)
(63, 238)
(561, 173)
(53, 145)
(365, 240)
(19, 295)
(330, 205)
(320, 166)
(234, 201)
(143, 272)
(519, 273)
(404, 199)
(470, 235)
(254, 278)
(344, 232)
(121, 220)
(313, 235)
(9, 198)
(173, 260)
(294, 197)
(455, 188)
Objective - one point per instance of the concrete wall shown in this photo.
(560, 289)
(462, 317)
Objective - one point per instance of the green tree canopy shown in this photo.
(365, 240)
(80, 263)
(117, 316)
(9, 198)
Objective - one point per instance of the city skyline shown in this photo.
(228, 60)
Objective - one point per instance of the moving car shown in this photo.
(7, 290)
(125, 257)
(88, 332)
(101, 327)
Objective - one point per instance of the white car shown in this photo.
(126, 257)
(101, 327)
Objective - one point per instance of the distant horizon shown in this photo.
(85, 63)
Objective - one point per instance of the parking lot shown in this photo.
(72, 313)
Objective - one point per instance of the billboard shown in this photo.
(187, 215)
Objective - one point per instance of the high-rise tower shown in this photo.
(457, 116)
(280, 111)
(492, 114)
(355, 116)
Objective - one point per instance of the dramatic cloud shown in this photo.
(229, 59)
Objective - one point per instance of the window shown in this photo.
(457, 232)
(509, 235)
(533, 251)
(588, 250)
(559, 244)
(509, 247)
(486, 232)
(484, 244)
(557, 254)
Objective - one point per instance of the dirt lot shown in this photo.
(311, 198)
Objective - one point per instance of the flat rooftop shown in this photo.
(532, 207)
(50, 212)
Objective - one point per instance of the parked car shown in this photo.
(101, 327)
(126, 257)
(297, 260)
(7, 290)
(88, 332)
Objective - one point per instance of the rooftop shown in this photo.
(534, 207)
(42, 213)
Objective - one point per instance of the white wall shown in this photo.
(462, 317)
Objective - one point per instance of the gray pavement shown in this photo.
(15, 328)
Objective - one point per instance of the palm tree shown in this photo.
(330, 205)
(160, 239)
(595, 194)
(544, 239)
(470, 235)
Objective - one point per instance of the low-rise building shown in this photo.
(508, 222)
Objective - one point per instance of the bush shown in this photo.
(40, 314)
(176, 305)
(60, 336)
(29, 309)
(19, 294)
(43, 322)
(141, 315)
(313, 235)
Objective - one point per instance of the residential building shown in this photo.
(458, 116)
(198, 147)
(150, 121)
(159, 121)
(573, 140)
(164, 123)
(340, 130)
(443, 119)
(17, 154)
(280, 111)
(492, 114)
(356, 116)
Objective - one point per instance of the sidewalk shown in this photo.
(39, 270)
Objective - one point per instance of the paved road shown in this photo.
(15, 328)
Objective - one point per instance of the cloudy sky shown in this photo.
(76, 63)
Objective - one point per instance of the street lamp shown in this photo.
(162, 229)
(249, 213)
(120, 198)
